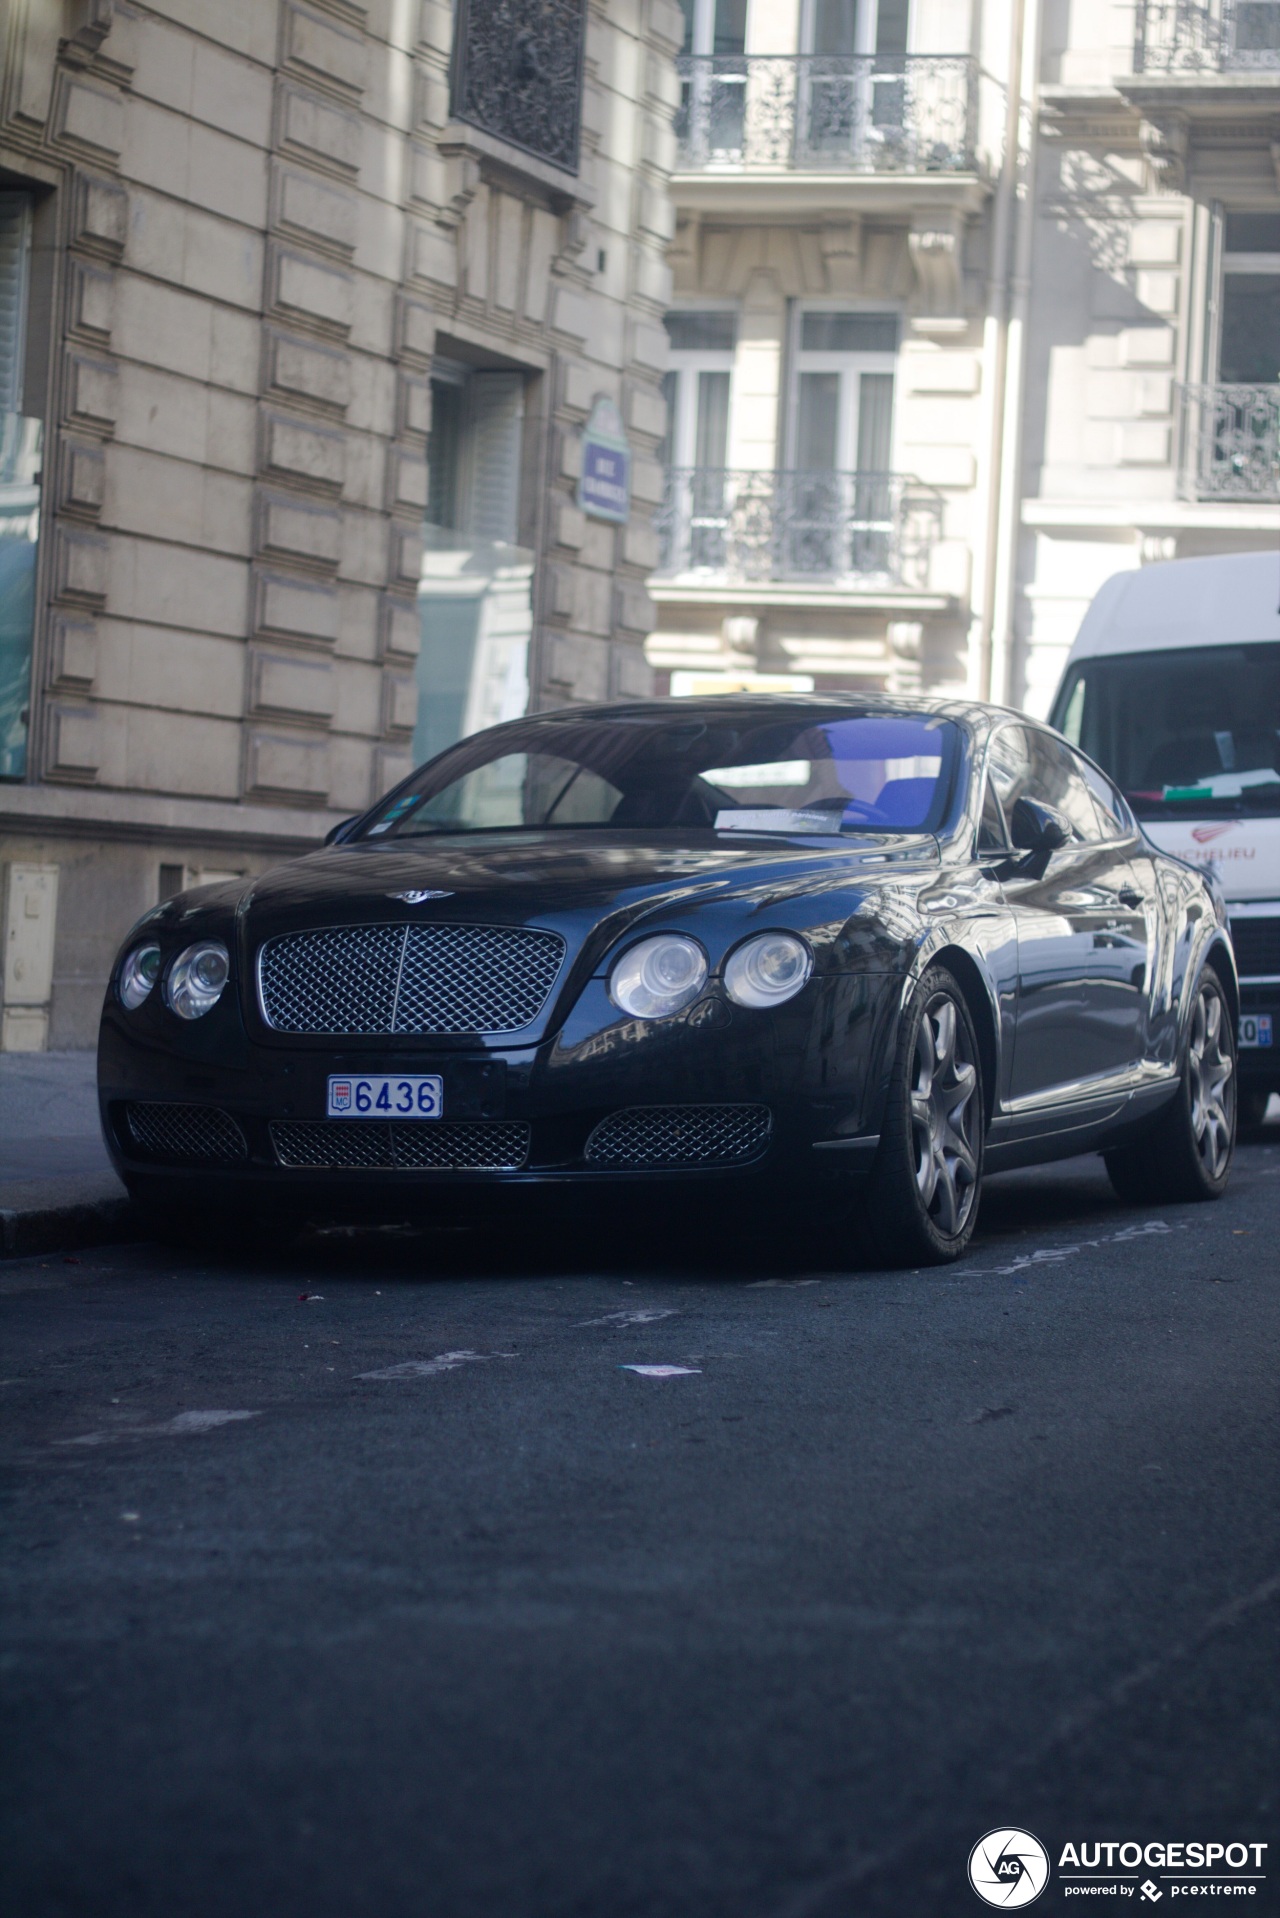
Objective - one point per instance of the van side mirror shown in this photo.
(1037, 828)
(336, 834)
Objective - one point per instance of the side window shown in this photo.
(1034, 765)
(992, 836)
(1112, 811)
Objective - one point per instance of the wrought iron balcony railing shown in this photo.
(1223, 36)
(915, 113)
(1231, 442)
(780, 528)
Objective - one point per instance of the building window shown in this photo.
(1249, 327)
(841, 437)
(518, 74)
(697, 389)
(20, 457)
(475, 597)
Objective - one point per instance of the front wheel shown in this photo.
(1187, 1153)
(921, 1202)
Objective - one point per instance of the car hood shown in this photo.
(542, 878)
(592, 893)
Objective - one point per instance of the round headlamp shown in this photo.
(659, 976)
(767, 970)
(137, 976)
(196, 979)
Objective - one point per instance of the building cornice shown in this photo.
(89, 813)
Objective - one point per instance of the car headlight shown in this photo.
(659, 976)
(767, 970)
(196, 979)
(137, 976)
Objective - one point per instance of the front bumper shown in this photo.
(813, 1069)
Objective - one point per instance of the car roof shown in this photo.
(1226, 600)
(744, 706)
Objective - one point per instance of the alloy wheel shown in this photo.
(944, 1117)
(1211, 1073)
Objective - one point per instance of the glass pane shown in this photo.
(1258, 26)
(1253, 232)
(817, 419)
(875, 422)
(1250, 328)
(701, 332)
(1194, 731)
(849, 333)
(443, 445)
(891, 28)
(713, 420)
(835, 27)
(731, 26)
(20, 456)
(670, 386)
(817, 772)
(689, 9)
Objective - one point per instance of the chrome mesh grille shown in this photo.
(653, 1136)
(397, 979)
(184, 1135)
(495, 1145)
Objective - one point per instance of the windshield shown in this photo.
(807, 773)
(1191, 731)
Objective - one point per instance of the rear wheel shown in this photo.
(921, 1202)
(1187, 1153)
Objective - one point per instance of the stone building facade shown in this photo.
(304, 307)
(976, 303)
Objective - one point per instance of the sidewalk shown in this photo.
(57, 1186)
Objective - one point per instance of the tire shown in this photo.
(1186, 1155)
(921, 1202)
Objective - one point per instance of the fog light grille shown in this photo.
(645, 1137)
(476, 1146)
(184, 1135)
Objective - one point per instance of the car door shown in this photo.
(1082, 936)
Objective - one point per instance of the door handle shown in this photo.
(1130, 896)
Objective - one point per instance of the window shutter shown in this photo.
(15, 240)
(497, 410)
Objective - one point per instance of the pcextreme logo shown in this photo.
(1008, 1868)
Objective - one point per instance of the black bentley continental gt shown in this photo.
(824, 950)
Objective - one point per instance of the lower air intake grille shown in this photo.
(479, 1146)
(184, 1135)
(651, 1136)
(1257, 944)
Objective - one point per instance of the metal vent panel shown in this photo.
(500, 1145)
(368, 980)
(1257, 947)
(185, 1135)
(645, 1137)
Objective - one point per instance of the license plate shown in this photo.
(1255, 1029)
(379, 1095)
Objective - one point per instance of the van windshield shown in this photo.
(1192, 730)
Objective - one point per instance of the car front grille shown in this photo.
(355, 980)
(644, 1137)
(498, 1145)
(1257, 947)
(184, 1135)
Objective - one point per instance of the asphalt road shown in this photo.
(373, 1583)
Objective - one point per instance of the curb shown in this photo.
(58, 1228)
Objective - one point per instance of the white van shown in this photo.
(1173, 686)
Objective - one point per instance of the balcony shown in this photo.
(760, 120)
(789, 535)
(1178, 37)
(1231, 442)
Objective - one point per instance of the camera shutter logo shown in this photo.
(1008, 1869)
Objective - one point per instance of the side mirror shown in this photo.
(1037, 828)
(336, 834)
